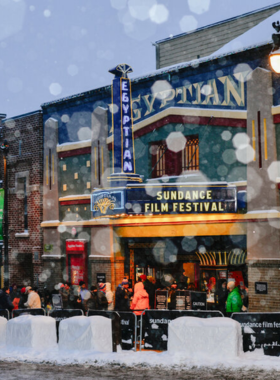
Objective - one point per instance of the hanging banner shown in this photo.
(1, 212)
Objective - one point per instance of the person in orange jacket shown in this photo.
(140, 299)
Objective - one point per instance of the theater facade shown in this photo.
(173, 174)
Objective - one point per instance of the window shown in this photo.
(190, 155)
(166, 162)
(22, 194)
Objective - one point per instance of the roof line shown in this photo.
(217, 23)
(23, 115)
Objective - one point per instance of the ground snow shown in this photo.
(86, 333)
(198, 337)
(59, 355)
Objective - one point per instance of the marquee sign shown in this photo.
(165, 200)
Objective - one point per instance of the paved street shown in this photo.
(15, 370)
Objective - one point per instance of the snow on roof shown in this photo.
(259, 35)
(218, 23)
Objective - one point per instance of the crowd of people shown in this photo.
(228, 297)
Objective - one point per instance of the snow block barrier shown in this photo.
(3, 326)
(213, 337)
(31, 331)
(86, 333)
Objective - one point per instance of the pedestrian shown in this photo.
(109, 296)
(84, 295)
(14, 293)
(101, 297)
(64, 292)
(15, 296)
(23, 298)
(151, 290)
(5, 301)
(140, 300)
(234, 300)
(221, 295)
(33, 299)
(172, 296)
(123, 294)
(92, 302)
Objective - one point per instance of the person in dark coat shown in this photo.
(123, 295)
(5, 301)
(151, 290)
(221, 294)
(92, 302)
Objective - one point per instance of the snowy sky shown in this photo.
(51, 49)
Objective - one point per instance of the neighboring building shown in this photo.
(24, 134)
(204, 41)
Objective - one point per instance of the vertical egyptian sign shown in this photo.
(123, 157)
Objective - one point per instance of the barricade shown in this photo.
(60, 314)
(116, 324)
(5, 313)
(154, 325)
(18, 312)
(260, 330)
(128, 330)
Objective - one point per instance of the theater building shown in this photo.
(169, 174)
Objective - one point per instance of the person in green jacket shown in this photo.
(234, 300)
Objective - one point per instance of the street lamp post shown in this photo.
(5, 150)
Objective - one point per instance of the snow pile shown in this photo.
(86, 333)
(197, 337)
(31, 331)
(3, 326)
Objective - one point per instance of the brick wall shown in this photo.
(264, 271)
(25, 137)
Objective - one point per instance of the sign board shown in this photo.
(161, 299)
(169, 199)
(155, 327)
(100, 278)
(57, 301)
(261, 287)
(75, 246)
(128, 329)
(198, 301)
(182, 297)
(260, 330)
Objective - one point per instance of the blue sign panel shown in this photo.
(123, 156)
(107, 203)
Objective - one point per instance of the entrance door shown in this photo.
(77, 270)
(76, 261)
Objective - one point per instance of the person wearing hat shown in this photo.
(101, 297)
(234, 300)
(33, 299)
(123, 294)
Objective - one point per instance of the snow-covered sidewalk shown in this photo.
(256, 359)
